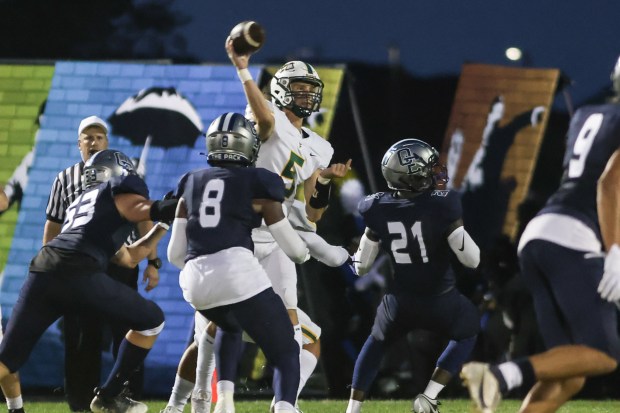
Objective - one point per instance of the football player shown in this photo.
(300, 156)
(571, 282)
(195, 369)
(68, 274)
(220, 277)
(420, 227)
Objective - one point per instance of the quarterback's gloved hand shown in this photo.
(609, 287)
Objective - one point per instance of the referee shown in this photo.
(83, 333)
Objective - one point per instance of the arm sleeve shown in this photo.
(464, 247)
(177, 247)
(320, 249)
(289, 241)
(365, 255)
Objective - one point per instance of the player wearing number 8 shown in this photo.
(212, 243)
(420, 227)
(561, 259)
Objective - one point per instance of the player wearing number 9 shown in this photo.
(561, 260)
(419, 226)
(212, 243)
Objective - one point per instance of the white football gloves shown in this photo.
(609, 287)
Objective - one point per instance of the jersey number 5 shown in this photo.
(583, 144)
(399, 244)
(210, 211)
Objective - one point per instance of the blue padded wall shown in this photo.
(81, 89)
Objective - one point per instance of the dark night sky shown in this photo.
(582, 38)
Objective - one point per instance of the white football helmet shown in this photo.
(282, 95)
(615, 77)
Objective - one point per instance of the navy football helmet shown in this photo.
(412, 165)
(105, 165)
(231, 138)
(284, 97)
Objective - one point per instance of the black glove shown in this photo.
(164, 211)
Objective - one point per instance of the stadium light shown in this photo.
(514, 53)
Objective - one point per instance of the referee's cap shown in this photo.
(92, 121)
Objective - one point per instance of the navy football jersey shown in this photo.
(92, 223)
(414, 233)
(219, 206)
(593, 136)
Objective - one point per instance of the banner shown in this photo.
(496, 127)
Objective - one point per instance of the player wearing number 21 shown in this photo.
(420, 227)
(571, 281)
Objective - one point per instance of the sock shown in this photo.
(225, 392)
(432, 389)
(527, 371)
(205, 364)
(282, 407)
(307, 364)
(513, 374)
(129, 358)
(354, 406)
(181, 391)
(14, 402)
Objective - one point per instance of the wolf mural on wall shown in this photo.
(485, 194)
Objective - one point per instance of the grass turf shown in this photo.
(371, 406)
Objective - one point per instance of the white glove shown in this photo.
(609, 287)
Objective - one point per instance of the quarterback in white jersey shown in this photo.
(299, 156)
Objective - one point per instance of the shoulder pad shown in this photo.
(319, 145)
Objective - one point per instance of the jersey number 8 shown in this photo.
(210, 211)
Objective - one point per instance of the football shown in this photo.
(247, 37)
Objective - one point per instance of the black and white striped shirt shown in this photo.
(66, 188)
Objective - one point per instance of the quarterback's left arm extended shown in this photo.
(130, 256)
(608, 206)
(463, 245)
(331, 255)
(317, 188)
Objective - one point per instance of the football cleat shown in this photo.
(20, 410)
(116, 404)
(424, 404)
(171, 409)
(201, 401)
(482, 385)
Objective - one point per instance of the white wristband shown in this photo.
(323, 181)
(164, 225)
(244, 75)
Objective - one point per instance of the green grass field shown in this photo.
(339, 406)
